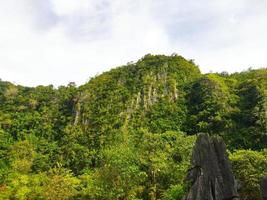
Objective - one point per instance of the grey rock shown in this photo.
(211, 176)
(264, 188)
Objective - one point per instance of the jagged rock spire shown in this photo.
(210, 176)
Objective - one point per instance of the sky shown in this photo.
(61, 41)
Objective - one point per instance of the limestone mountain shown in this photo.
(150, 94)
(128, 133)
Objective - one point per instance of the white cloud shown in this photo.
(220, 35)
(70, 40)
(66, 7)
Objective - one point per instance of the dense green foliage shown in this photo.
(249, 167)
(128, 133)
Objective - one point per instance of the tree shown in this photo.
(165, 158)
(61, 184)
(251, 120)
(209, 105)
(21, 156)
(119, 176)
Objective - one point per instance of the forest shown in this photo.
(128, 134)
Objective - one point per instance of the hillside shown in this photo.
(128, 133)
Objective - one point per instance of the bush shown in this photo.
(175, 192)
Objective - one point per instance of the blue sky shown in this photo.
(59, 41)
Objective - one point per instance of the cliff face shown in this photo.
(150, 93)
(162, 93)
(211, 176)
